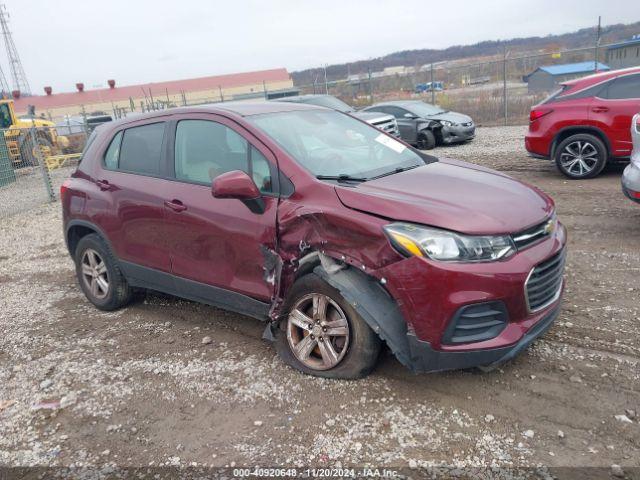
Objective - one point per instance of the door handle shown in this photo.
(103, 185)
(600, 109)
(175, 205)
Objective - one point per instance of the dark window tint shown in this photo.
(112, 153)
(141, 149)
(594, 91)
(395, 111)
(624, 87)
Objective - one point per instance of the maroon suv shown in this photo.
(334, 233)
(586, 123)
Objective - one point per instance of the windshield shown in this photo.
(424, 109)
(330, 102)
(5, 116)
(329, 143)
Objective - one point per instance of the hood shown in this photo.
(452, 195)
(373, 117)
(454, 117)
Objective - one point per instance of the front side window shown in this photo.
(396, 112)
(330, 143)
(424, 109)
(141, 149)
(206, 149)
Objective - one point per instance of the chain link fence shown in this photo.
(498, 89)
(34, 161)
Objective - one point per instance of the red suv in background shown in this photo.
(586, 123)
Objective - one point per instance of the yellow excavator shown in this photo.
(22, 143)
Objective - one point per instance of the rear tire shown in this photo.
(581, 156)
(305, 337)
(99, 274)
(426, 140)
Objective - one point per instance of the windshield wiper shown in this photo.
(343, 177)
(396, 170)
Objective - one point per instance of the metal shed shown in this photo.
(548, 78)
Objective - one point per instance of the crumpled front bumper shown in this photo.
(426, 359)
(455, 134)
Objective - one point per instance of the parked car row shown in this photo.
(418, 123)
(334, 233)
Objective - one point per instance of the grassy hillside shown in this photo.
(581, 38)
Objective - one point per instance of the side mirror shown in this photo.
(409, 115)
(235, 184)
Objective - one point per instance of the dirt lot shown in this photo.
(139, 388)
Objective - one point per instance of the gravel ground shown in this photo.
(137, 387)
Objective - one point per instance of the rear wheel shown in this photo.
(323, 335)
(581, 156)
(99, 274)
(426, 140)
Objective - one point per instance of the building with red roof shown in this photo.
(156, 95)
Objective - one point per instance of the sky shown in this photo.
(62, 42)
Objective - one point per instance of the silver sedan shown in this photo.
(631, 176)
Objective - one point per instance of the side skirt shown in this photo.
(145, 277)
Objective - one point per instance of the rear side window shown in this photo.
(111, 156)
(624, 87)
(141, 149)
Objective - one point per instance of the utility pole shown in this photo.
(326, 85)
(370, 87)
(598, 32)
(504, 83)
(433, 90)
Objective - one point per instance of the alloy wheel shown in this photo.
(318, 332)
(95, 274)
(579, 158)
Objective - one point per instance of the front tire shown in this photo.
(426, 140)
(581, 156)
(322, 335)
(99, 275)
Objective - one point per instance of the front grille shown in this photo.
(544, 283)
(476, 322)
(388, 126)
(533, 234)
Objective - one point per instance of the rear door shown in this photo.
(132, 186)
(614, 107)
(219, 242)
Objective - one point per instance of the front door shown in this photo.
(220, 243)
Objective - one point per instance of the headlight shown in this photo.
(448, 246)
(446, 123)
